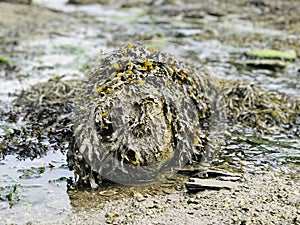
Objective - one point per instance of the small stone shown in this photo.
(230, 178)
(295, 201)
(139, 197)
(196, 184)
(155, 202)
(108, 193)
(266, 63)
(198, 206)
(192, 201)
(18, 1)
(296, 220)
(85, 2)
(158, 206)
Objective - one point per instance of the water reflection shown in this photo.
(40, 189)
(250, 152)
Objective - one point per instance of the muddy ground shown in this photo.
(44, 43)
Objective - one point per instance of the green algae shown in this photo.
(33, 172)
(11, 194)
(272, 54)
(4, 60)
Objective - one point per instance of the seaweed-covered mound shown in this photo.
(142, 112)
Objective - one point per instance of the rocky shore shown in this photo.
(33, 39)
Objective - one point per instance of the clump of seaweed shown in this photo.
(248, 106)
(42, 118)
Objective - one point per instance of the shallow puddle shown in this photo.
(251, 153)
(34, 190)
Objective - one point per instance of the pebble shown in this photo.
(192, 201)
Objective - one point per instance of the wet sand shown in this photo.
(267, 198)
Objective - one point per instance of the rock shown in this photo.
(86, 2)
(267, 63)
(296, 220)
(210, 173)
(230, 178)
(18, 1)
(140, 113)
(196, 184)
(193, 201)
(270, 59)
(108, 193)
(139, 197)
